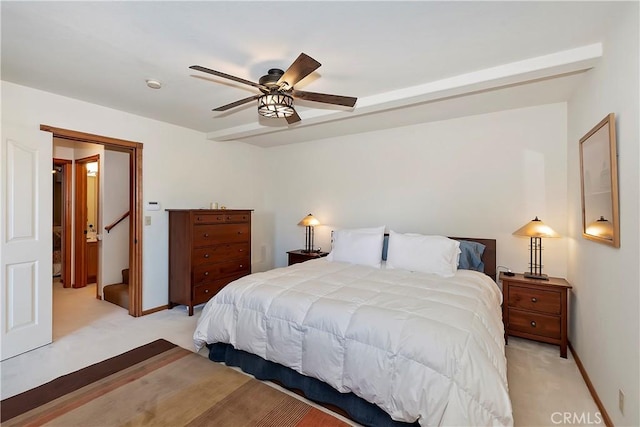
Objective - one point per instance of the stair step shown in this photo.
(117, 294)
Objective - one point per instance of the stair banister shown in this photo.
(117, 221)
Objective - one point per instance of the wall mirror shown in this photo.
(599, 183)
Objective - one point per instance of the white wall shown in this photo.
(605, 298)
(478, 176)
(114, 195)
(181, 169)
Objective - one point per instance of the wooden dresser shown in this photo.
(536, 309)
(207, 250)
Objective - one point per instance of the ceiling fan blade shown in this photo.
(347, 101)
(295, 118)
(228, 76)
(235, 104)
(301, 68)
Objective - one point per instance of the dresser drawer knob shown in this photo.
(534, 299)
(228, 218)
(533, 324)
(206, 234)
(240, 250)
(239, 232)
(206, 273)
(206, 255)
(206, 291)
(241, 265)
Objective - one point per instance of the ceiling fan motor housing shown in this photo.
(271, 78)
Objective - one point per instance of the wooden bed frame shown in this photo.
(489, 255)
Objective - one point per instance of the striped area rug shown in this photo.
(159, 384)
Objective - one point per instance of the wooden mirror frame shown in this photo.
(599, 164)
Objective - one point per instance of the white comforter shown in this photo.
(419, 346)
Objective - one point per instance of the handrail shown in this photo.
(117, 221)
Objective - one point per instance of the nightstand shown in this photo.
(300, 256)
(535, 309)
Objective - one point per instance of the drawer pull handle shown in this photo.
(206, 234)
(206, 255)
(206, 291)
(228, 218)
(199, 219)
(239, 232)
(534, 299)
(240, 265)
(533, 324)
(240, 250)
(206, 273)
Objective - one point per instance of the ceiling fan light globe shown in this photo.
(278, 105)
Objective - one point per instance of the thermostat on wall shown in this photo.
(153, 206)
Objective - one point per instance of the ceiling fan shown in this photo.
(277, 91)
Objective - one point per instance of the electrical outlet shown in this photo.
(147, 220)
(621, 401)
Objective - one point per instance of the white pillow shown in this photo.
(427, 254)
(358, 246)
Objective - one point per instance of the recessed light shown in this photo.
(154, 84)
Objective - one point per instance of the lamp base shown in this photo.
(536, 276)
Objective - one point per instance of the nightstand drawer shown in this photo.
(535, 300)
(534, 324)
(299, 256)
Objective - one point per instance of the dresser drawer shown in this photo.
(535, 300)
(218, 253)
(206, 235)
(203, 293)
(208, 272)
(534, 324)
(208, 218)
(237, 218)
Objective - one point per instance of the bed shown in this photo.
(387, 345)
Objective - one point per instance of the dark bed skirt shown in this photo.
(358, 409)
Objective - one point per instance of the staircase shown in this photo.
(118, 293)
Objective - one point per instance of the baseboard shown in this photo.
(592, 390)
(153, 310)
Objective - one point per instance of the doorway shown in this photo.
(62, 194)
(134, 151)
(87, 252)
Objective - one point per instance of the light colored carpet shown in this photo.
(86, 331)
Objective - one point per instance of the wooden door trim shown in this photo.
(67, 167)
(135, 230)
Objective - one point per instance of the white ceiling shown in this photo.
(407, 62)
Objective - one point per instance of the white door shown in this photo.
(26, 320)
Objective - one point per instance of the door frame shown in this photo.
(66, 166)
(135, 203)
(80, 258)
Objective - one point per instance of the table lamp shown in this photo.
(308, 222)
(535, 230)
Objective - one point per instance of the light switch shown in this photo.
(147, 220)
